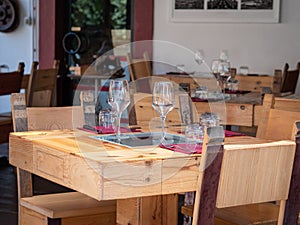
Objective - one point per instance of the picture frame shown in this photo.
(225, 11)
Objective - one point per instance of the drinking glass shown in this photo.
(119, 99)
(194, 134)
(163, 101)
(106, 118)
(209, 119)
(215, 68)
(199, 57)
(224, 71)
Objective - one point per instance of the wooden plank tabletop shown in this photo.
(107, 171)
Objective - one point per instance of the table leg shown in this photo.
(153, 210)
(96, 88)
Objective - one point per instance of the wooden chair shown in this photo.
(285, 82)
(41, 86)
(140, 71)
(10, 82)
(287, 104)
(290, 79)
(146, 116)
(139, 68)
(275, 125)
(55, 208)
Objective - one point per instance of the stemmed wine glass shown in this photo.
(199, 57)
(119, 99)
(215, 68)
(163, 101)
(225, 74)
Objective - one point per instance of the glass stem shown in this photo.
(224, 86)
(163, 121)
(119, 127)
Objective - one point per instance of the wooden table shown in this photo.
(246, 83)
(240, 110)
(142, 180)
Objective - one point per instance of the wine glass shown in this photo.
(224, 55)
(225, 75)
(119, 99)
(199, 57)
(163, 101)
(215, 70)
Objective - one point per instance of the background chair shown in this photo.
(10, 82)
(42, 85)
(286, 80)
(139, 68)
(55, 208)
(290, 78)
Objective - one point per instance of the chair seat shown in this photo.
(256, 214)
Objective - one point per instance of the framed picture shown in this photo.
(233, 11)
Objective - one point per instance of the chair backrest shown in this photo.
(277, 123)
(10, 82)
(41, 85)
(290, 79)
(44, 118)
(287, 104)
(210, 167)
(139, 68)
(148, 118)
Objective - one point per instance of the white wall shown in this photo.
(262, 47)
(17, 46)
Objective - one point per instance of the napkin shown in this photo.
(229, 133)
(107, 130)
(197, 148)
(183, 148)
(110, 130)
(240, 92)
(194, 99)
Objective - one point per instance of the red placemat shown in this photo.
(194, 99)
(197, 148)
(229, 133)
(107, 130)
(184, 148)
(240, 92)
